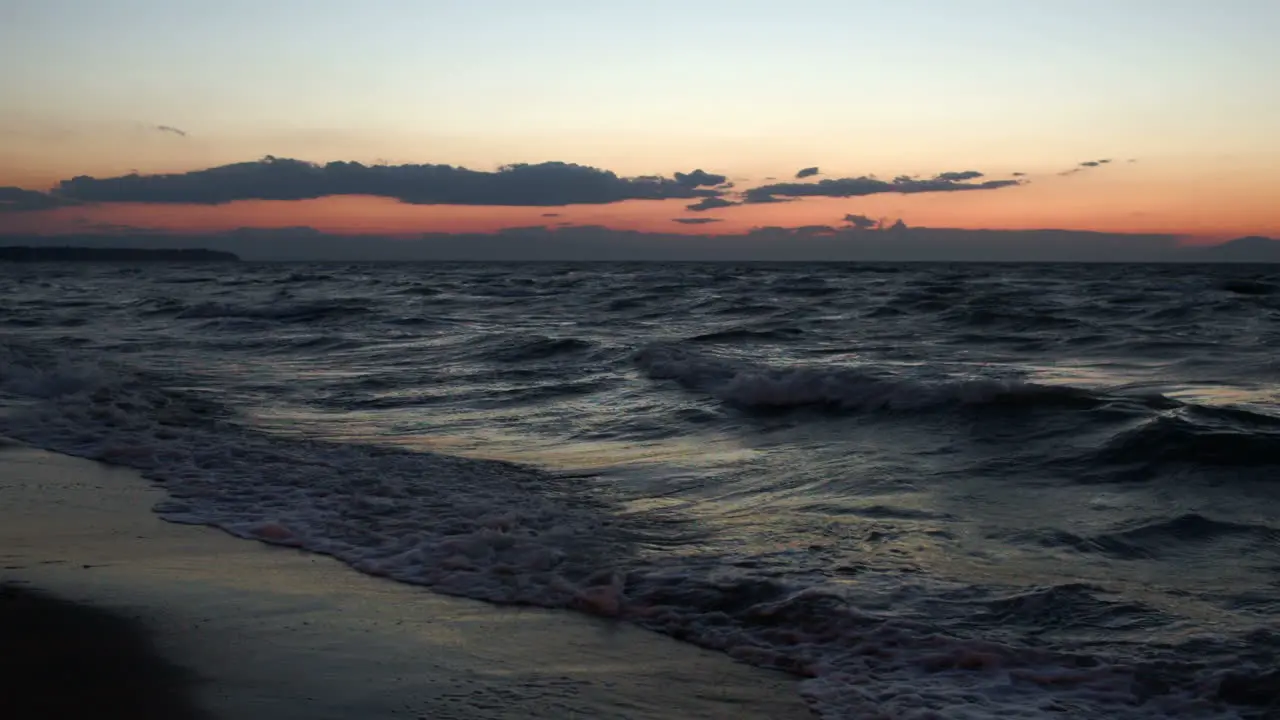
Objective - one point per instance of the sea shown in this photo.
(929, 490)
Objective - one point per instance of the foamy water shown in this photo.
(935, 491)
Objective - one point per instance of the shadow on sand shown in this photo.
(59, 659)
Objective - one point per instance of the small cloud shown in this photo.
(1087, 164)
(861, 222)
(1132, 160)
(711, 203)
(806, 172)
(550, 214)
(696, 221)
(959, 176)
(171, 129)
(698, 178)
(1019, 174)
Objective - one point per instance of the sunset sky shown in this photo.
(1180, 97)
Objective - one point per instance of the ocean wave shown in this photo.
(864, 664)
(745, 308)
(805, 289)
(833, 502)
(740, 334)
(1196, 439)
(761, 387)
(285, 312)
(1069, 606)
(307, 277)
(1000, 315)
(1156, 537)
(522, 348)
(422, 290)
(513, 534)
(1250, 287)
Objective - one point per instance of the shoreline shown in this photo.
(272, 632)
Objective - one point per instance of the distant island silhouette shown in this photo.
(1254, 248)
(26, 253)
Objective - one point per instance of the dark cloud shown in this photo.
(711, 203)
(171, 129)
(1087, 164)
(870, 185)
(548, 184)
(698, 178)
(543, 184)
(861, 222)
(696, 221)
(16, 199)
(107, 228)
(1019, 174)
(960, 176)
(806, 172)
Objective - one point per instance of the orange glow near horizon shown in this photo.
(1200, 200)
(357, 215)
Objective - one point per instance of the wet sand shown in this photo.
(267, 632)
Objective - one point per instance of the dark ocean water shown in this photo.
(937, 491)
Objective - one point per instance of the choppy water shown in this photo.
(937, 491)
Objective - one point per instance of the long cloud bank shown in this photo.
(548, 184)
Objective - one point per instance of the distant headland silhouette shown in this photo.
(26, 253)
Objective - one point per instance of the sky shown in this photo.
(1121, 116)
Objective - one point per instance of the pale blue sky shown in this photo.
(748, 88)
(914, 77)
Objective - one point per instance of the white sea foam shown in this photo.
(484, 529)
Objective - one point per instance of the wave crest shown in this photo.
(761, 387)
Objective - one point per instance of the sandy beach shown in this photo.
(267, 632)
